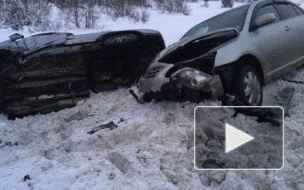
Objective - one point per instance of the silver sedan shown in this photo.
(236, 52)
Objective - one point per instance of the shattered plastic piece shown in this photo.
(135, 96)
(27, 177)
(111, 125)
(123, 119)
(271, 116)
(77, 116)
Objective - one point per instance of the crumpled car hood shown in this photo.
(226, 34)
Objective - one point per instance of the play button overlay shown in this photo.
(238, 138)
(235, 138)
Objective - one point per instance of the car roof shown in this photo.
(254, 2)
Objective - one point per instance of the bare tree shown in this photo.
(173, 6)
(14, 14)
(145, 16)
(19, 13)
(80, 13)
(227, 3)
(75, 4)
(91, 13)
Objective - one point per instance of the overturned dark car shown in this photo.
(233, 54)
(51, 71)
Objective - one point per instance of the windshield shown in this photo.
(234, 19)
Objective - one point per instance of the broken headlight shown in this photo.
(192, 78)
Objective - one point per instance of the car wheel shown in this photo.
(120, 39)
(249, 86)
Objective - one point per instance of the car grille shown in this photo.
(152, 72)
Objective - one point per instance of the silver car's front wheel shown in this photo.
(249, 86)
(252, 88)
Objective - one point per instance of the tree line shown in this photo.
(40, 14)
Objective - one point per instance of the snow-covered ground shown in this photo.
(152, 147)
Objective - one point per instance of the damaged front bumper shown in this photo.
(165, 81)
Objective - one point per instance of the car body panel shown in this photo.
(297, 32)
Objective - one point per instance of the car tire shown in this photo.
(249, 86)
(121, 40)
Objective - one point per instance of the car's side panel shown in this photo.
(293, 49)
(276, 45)
(236, 49)
(297, 32)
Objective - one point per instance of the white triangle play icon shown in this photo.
(235, 138)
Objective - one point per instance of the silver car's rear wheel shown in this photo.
(249, 86)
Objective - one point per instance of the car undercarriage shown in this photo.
(52, 71)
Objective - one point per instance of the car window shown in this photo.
(298, 10)
(268, 9)
(234, 19)
(286, 11)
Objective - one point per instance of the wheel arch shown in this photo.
(227, 72)
(251, 60)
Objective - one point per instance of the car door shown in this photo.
(272, 41)
(294, 32)
(293, 19)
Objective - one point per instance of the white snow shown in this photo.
(151, 149)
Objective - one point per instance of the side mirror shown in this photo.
(15, 37)
(265, 19)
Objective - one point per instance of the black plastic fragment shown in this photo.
(135, 96)
(263, 115)
(111, 125)
(27, 177)
(123, 119)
